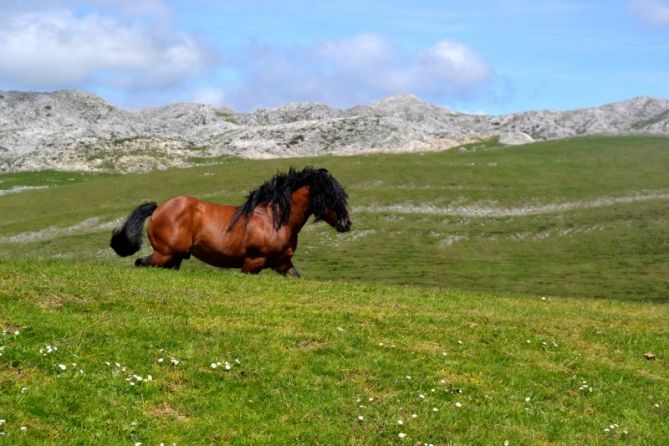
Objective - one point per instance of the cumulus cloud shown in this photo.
(132, 52)
(210, 96)
(357, 70)
(654, 12)
(56, 48)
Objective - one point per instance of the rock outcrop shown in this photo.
(70, 130)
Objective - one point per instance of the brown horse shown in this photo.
(259, 234)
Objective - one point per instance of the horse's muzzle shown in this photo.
(343, 226)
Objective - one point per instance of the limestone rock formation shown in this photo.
(70, 130)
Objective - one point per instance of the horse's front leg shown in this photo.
(287, 269)
(253, 265)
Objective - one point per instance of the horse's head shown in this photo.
(329, 201)
(340, 219)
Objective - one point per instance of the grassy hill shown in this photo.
(485, 295)
(582, 217)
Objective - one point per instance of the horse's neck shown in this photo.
(300, 208)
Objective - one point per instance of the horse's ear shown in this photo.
(323, 170)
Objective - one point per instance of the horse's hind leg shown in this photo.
(161, 260)
(171, 243)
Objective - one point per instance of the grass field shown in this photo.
(585, 217)
(307, 359)
(485, 295)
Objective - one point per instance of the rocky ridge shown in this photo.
(70, 130)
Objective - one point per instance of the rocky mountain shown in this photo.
(78, 131)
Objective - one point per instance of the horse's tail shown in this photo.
(127, 239)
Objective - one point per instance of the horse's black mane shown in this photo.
(325, 192)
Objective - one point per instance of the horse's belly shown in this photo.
(217, 258)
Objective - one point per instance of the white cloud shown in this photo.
(362, 52)
(132, 52)
(455, 64)
(357, 70)
(57, 49)
(210, 96)
(654, 12)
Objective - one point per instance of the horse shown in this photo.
(259, 234)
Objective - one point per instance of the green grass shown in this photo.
(313, 356)
(46, 178)
(617, 251)
(535, 325)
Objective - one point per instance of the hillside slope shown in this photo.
(580, 217)
(70, 130)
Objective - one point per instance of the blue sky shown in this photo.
(487, 56)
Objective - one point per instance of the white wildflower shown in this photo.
(400, 422)
(23, 428)
(458, 404)
(413, 415)
(434, 409)
(213, 365)
(63, 367)
(402, 435)
(160, 361)
(528, 399)
(360, 418)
